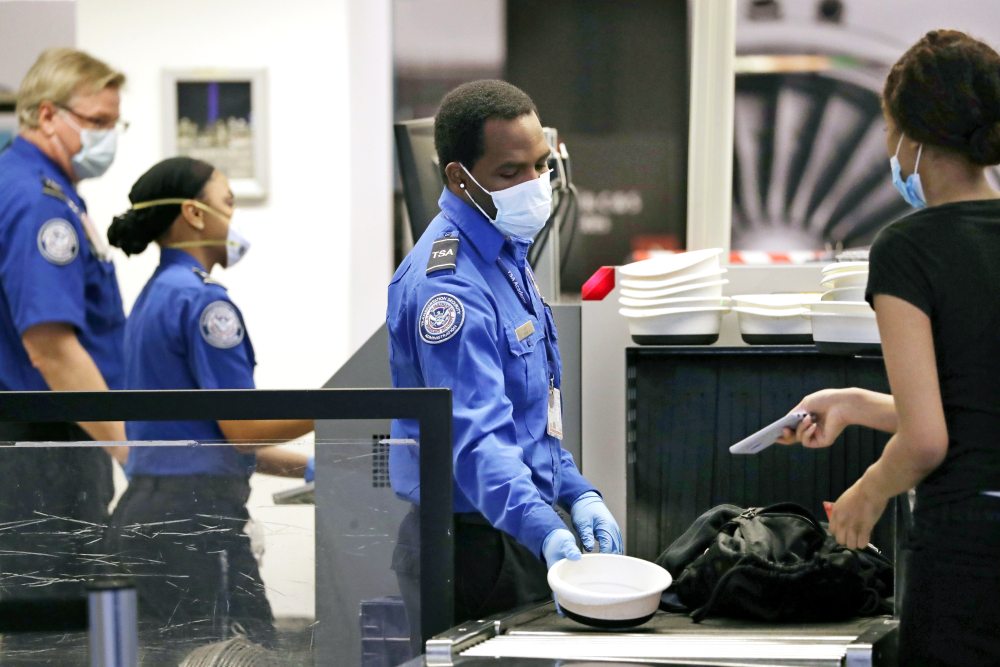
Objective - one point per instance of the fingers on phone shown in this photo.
(809, 437)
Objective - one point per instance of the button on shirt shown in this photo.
(482, 330)
(185, 333)
(48, 272)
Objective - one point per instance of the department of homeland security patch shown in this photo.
(58, 242)
(221, 326)
(441, 318)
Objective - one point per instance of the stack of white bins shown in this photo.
(774, 319)
(842, 321)
(676, 299)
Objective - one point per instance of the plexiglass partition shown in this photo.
(224, 570)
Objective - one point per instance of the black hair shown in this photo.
(945, 91)
(459, 123)
(173, 178)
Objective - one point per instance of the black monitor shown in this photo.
(420, 171)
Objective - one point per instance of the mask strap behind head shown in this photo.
(473, 178)
(920, 150)
(474, 203)
(165, 202)
(197, 204)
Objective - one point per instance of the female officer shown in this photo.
(933, 281)
(197, 576)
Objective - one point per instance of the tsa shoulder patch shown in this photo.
(58, 242)
(444, 254)
(441, 318)
(221, 326)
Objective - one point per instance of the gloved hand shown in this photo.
(311, 469)
(592, 518)
(560, 544)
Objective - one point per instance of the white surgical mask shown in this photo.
(523, 209)
(97, 150)
(236, 242)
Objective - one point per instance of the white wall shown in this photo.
(293, 286)
(27, 27)
(371, 164)
(313, 286)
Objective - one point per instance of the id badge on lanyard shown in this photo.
(97, 244)
(554, 427)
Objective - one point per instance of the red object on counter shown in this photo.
(828, 506)
(600, 284)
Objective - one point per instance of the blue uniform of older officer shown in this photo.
(464, 313)
(61, 323)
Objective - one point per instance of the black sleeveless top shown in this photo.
(945, 261)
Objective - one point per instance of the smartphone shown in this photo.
(765, 437)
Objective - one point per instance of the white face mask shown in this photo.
(97, 150)
(237, 244)
(523, 209)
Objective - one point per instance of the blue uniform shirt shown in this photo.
(49, 272)
(185, 333)
(482, 330)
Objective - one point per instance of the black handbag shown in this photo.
(774, 563)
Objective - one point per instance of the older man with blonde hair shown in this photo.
(61, 318)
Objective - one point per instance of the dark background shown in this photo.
(611, 77)
(192, 101)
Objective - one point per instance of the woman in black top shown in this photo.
(934, 283)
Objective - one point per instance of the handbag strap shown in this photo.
(701, 612)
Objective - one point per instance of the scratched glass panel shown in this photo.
(229, 572)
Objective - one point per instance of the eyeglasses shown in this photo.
(98, 123)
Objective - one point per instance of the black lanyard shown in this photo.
(516, 284)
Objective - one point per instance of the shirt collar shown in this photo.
(486, 238)
(178, 256)
(49, 168)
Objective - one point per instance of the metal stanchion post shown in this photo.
(114, 629)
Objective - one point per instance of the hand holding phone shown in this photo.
(765, 437)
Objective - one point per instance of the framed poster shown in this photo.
(8, 121)
(220, 116)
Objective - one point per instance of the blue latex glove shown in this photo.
(311, 469)
(560, 544)
(592, 518)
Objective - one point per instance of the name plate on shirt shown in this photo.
(524, 330)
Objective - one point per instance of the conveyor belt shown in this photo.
(539, 636)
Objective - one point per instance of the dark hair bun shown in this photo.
(133, 230)
(984, 145)
(173, 178)
(945, 91)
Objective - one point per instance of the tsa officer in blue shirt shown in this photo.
(61, 316)
(465, 313)
(185, 332)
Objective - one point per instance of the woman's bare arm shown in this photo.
(921, 440)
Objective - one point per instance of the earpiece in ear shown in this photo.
(461, 185)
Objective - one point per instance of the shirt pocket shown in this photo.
(103, 298)
(525, 367)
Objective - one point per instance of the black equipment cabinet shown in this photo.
(686, 406)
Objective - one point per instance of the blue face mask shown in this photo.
(911, 189)
(97, 150)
